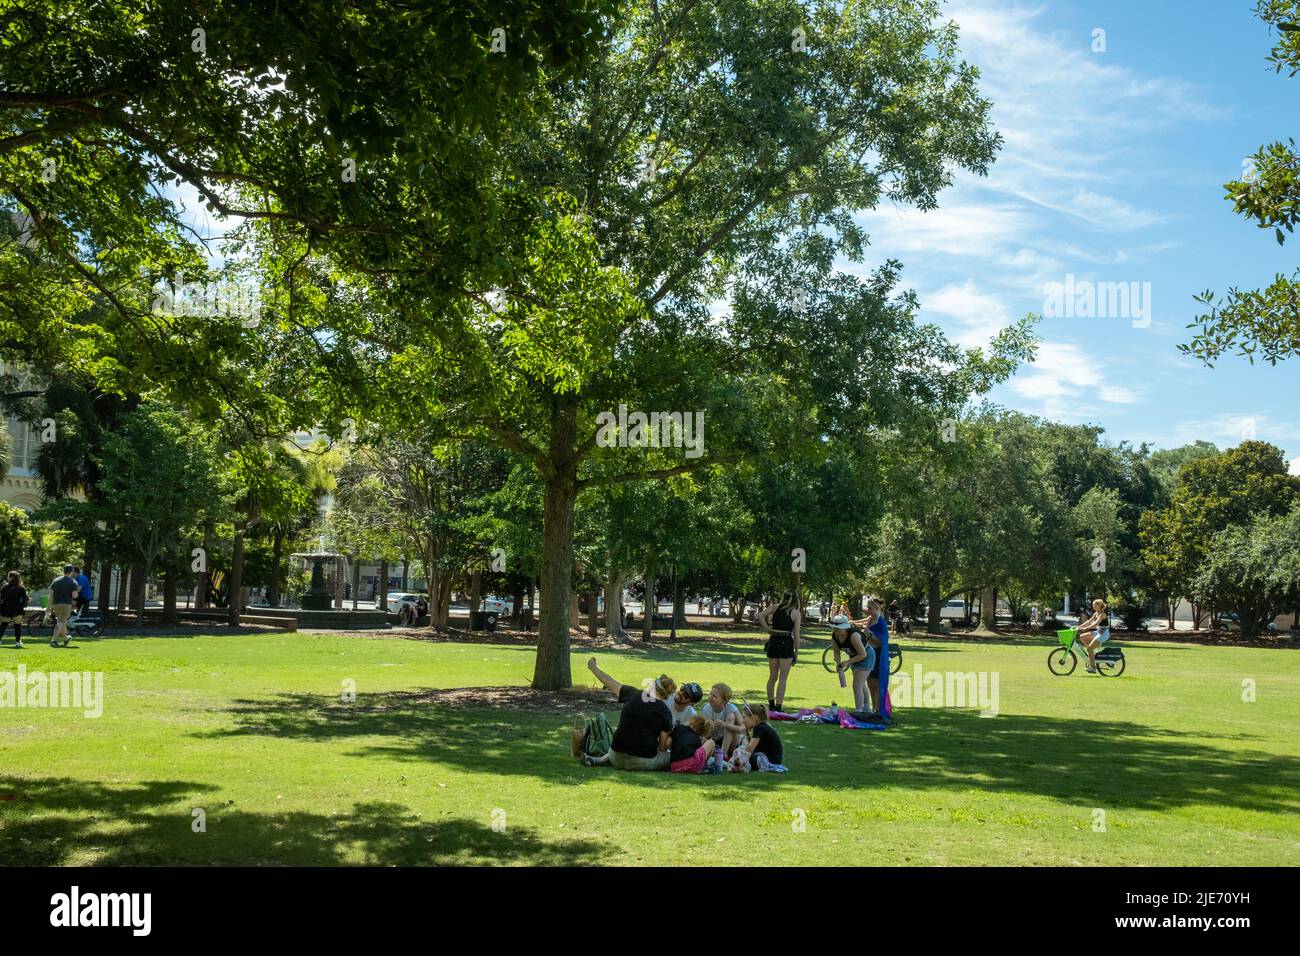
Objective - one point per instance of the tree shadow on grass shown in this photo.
(1105, 762)
(49, 820)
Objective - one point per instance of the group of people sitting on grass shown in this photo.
(659, 729)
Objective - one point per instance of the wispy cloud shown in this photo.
(1070, 382)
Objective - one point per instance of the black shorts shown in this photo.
(780, 645)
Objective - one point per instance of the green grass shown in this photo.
(252, 730)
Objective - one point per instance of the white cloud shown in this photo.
(1069, 381)
(979, 316)
(955, 228)
(1232, 428)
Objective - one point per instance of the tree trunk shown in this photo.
(575, 620)
(614, 606)
(205, 576)
(679, 608)
(989, 609)
(406, 569)
(105, 586)
(338, 584)
(277, 550)
(517, 596)
(593, 628)
(444, 600)
(123, 583)
(356, 580)
(235, 582)
(381, 587)
(551, 671)
(475, 589)
(139, 578)
(169, 586)
(738, 609)
(934, 606)
(651, 602)
(1196, 616)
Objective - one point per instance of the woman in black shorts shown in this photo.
(782, 621)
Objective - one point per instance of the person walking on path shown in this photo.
(63, 592)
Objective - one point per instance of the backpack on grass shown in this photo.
(597, 737)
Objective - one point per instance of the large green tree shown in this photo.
(1261, 322)
(704, 153)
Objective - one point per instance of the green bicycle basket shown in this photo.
(1067, 636)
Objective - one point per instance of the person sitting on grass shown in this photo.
(692, 746)
(728, 725)
(1095, 632)
(680, 704)
(763, 750)
(641, 740)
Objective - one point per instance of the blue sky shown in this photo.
(1112, 171)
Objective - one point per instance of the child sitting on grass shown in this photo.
(692, 746)
(728, 727)
(763, 750)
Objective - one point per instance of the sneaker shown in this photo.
(18, 644)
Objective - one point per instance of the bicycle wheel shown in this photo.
(1061, 661)
(895, 658)
(1111, 667)
(828, 659)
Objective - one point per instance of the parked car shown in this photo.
(495, 605)
(395, 601)
(953, 609)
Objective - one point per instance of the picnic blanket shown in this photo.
(822, 715)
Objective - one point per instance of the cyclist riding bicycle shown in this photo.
(1094, 632)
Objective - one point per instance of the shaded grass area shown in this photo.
(255, 732)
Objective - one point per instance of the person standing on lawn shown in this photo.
(63, 592)
(85, 592)
(782, 646)
(13, 606)
(878, 627)
(861, 660)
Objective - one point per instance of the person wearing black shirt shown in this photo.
(763, 740)
(642, 738)
(63, 592)
(691, 746)
(13, 607)
(782, 646)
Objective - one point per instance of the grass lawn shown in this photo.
(252, 730)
